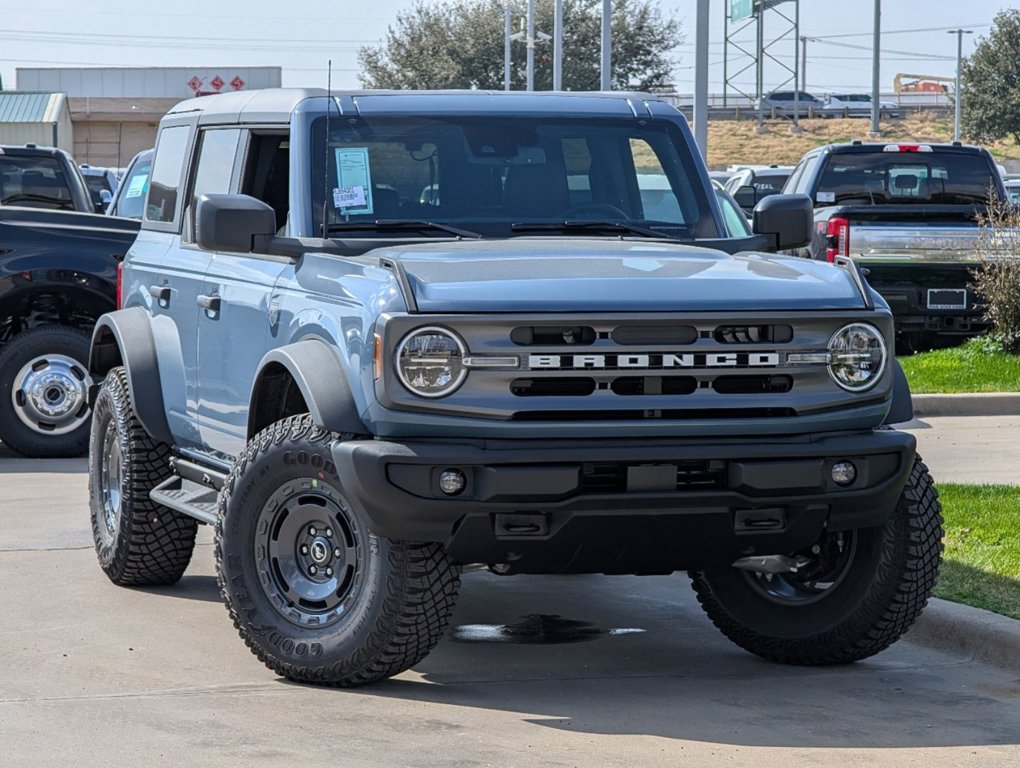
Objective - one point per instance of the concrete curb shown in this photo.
(975, 404)
(972, 632)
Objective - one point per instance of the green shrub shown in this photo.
(997, 280)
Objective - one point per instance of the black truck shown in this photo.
(908, 214)
(58, 273)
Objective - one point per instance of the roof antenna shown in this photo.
(325, 175)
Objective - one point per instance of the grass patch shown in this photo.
(734, 141)
(982, 557)
(977, 366)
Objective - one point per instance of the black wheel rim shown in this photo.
(309, 552)
(830, 561)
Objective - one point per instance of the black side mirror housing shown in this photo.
(231, 222)
(746, 197)
(788, 219)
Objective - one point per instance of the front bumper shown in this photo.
(623, 506)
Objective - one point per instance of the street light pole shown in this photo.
(957, 97)
(531, 45)
(876, 103)
(607, 44)
(507, 18)
(701, 78)
(558, 46)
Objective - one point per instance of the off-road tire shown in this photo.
(407, 591)
(19, 351)
(149, 544)
(887, 585)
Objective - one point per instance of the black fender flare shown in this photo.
(902, 408)
(125, 338)
(316, 370)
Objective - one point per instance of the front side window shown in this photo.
(167, 170)
(486, 174)
(213, 173)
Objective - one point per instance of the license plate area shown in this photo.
(947, 298)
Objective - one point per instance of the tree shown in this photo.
(991, 82)
(459, 44)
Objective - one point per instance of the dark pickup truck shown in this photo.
(908, 214)
(58, 274)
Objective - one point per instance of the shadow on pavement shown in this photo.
(11, 463)
(201, 588)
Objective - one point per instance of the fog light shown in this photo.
(844, 473)
(452, 482)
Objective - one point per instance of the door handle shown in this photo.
(160, 293)
(210, 303)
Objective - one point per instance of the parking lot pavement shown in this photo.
(96, 675)
(975, 449)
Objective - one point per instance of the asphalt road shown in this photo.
(96, 675)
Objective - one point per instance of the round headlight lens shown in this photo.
(430, 362)
(858, 357)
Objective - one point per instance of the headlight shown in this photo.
(857, 357)
(430, 362)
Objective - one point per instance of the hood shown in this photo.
(582, 275)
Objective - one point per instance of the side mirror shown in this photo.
(746, 197)
(788, 219)
(100, 200)
(231, 222)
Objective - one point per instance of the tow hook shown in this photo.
(769, 564)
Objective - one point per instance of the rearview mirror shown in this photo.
(231, 222)
(788, 219)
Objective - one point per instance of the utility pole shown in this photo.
(558, 45)
(958, 96)
(701, 77)
(507, 18)
(531, 45)
(876, 104)
(803, 61)
(795, 129)
(607, 44)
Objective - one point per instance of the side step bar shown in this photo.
(192, 491)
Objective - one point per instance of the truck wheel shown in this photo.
(137, 541)
(44, 385)
(313, 593)
(858, 594)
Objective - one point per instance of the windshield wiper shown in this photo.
(559, 226)
(398, 224)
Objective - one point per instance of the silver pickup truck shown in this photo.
(908, 214)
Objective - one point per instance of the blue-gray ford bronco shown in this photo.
(376, 337)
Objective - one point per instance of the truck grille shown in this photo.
(713, 366)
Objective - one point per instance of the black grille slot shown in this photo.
(752, 385)
(545, 335)
(690, 476)
(630, 335)
(573, 386)
(654, 385)
(753, 334)
(637, 414)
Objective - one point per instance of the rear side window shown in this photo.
(135, 185)
(167, 170)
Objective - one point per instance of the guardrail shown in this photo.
(750, 113)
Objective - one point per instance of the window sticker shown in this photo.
(826, 197)
(353, 192)
(137, 186)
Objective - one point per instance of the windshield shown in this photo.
(35, 182)
(97, 183)
(486, 174)
(905, 177)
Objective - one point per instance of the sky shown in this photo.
(301, 36)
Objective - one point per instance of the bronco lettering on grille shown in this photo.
(657, 361)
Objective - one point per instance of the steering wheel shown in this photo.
(585, 210)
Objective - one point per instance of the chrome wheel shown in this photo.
(110, 482)
(310, 553)
(50, 394)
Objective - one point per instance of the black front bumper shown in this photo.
(615, 506)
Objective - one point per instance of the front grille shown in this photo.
(753, 334)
